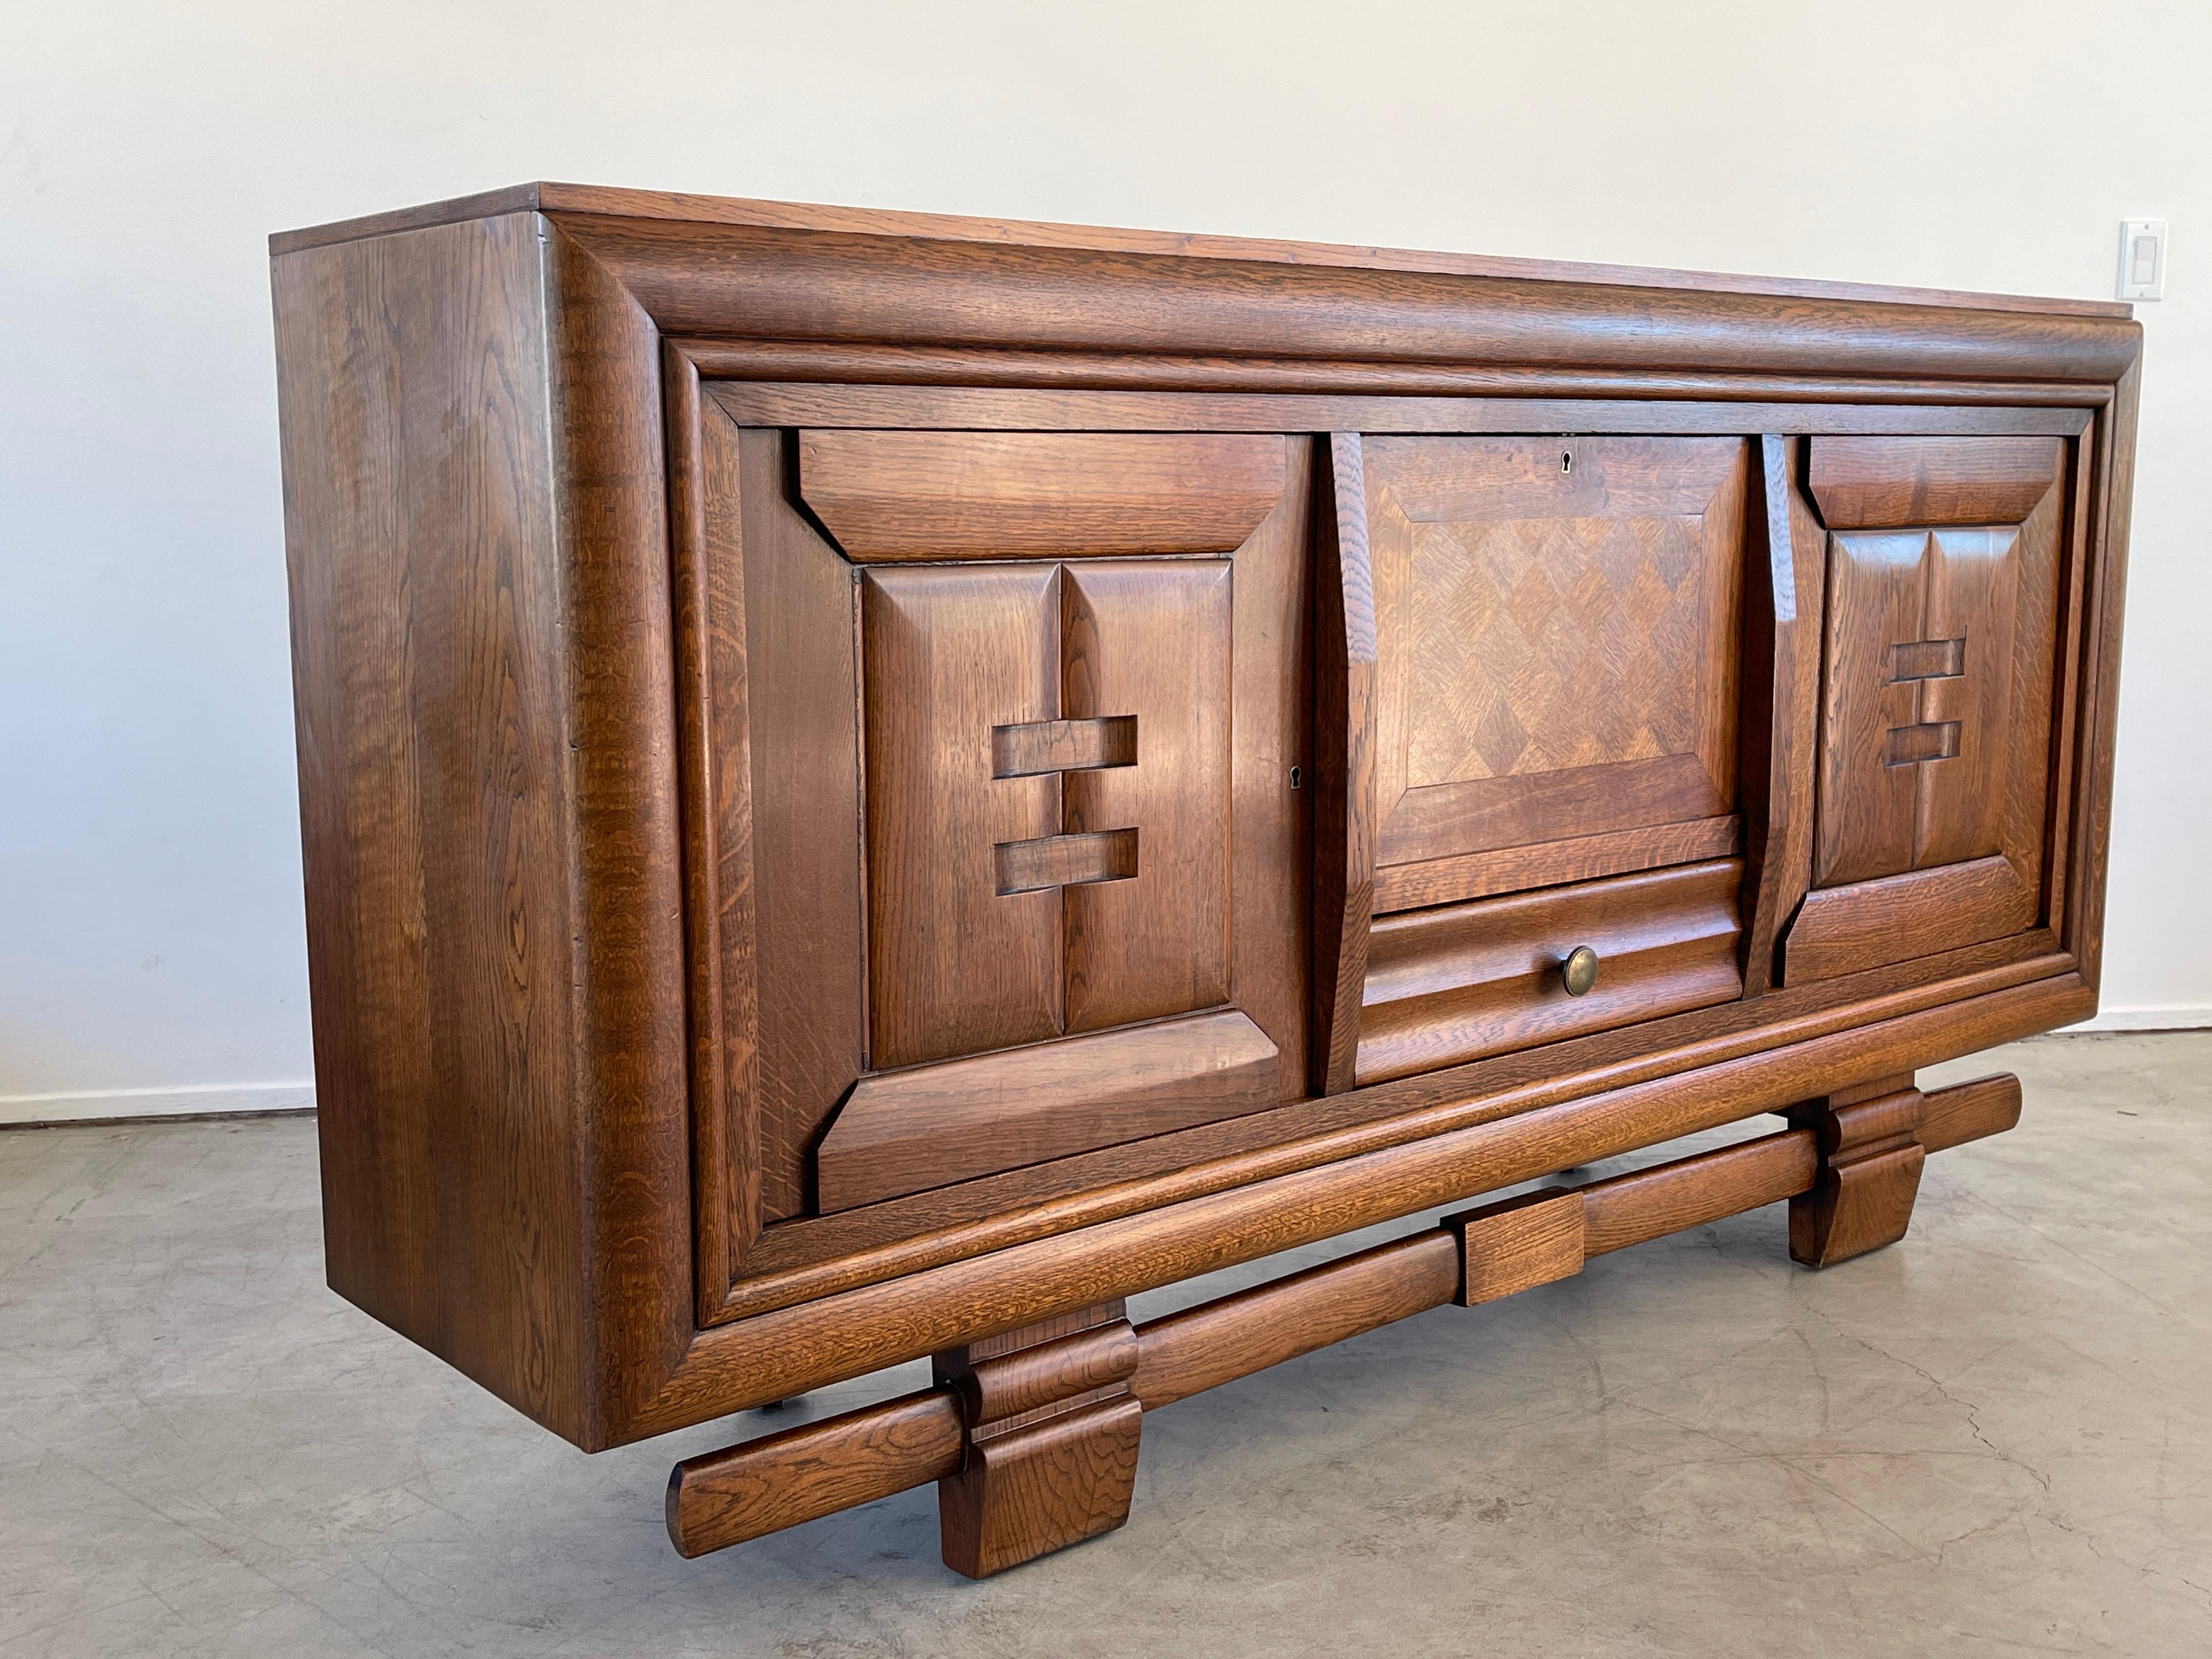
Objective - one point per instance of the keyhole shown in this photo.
(1566, 460)
(1296, 777)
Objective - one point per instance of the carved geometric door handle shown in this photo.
(1037, 747)
(1927, 740)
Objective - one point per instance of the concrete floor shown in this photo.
(1995, 1438)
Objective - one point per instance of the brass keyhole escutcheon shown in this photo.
(1578, 973)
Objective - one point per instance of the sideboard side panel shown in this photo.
(416, 383)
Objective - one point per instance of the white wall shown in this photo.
(150, 936)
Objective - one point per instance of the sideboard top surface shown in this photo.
(676, 206)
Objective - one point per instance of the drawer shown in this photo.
(1460, 982)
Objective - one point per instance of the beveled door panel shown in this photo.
(955, 963)
(1920, 643)
(931, 496)
(1149, 642)
(1939, 673)
(1556, 624)
(1082, 844)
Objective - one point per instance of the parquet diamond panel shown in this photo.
(1556, 638)
(1544, 644)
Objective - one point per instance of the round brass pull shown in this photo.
(1578, 973)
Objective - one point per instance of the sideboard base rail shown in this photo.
(1033, 1435)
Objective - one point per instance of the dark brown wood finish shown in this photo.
(433, 834)
(666, 1061)
(783, 693)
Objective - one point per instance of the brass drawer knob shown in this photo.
(1578, 973)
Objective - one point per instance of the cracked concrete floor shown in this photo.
(1995, 1438)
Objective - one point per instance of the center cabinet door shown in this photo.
(1556, 628)
(1533, 666)
(1021, 716)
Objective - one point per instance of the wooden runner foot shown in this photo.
(1053, 1432)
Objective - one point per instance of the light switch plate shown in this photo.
(2142, 259)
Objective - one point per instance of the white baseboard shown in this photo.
(2142, 1019)
(193, 1100)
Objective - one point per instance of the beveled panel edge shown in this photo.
(1554, 863)
(823, 363)
(1547, 409)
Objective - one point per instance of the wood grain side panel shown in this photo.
(906, 496)
(1897, 483)
(434, 729)
(950, 652)
(1150, 640)
(804, 740)
(904, 1132)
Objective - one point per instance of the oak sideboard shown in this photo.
(874, 785)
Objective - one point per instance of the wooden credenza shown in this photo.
(873, 785)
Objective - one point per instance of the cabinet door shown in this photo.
(1556, 630)
(1938, 662)
(1531, 651)
(1022, 712)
